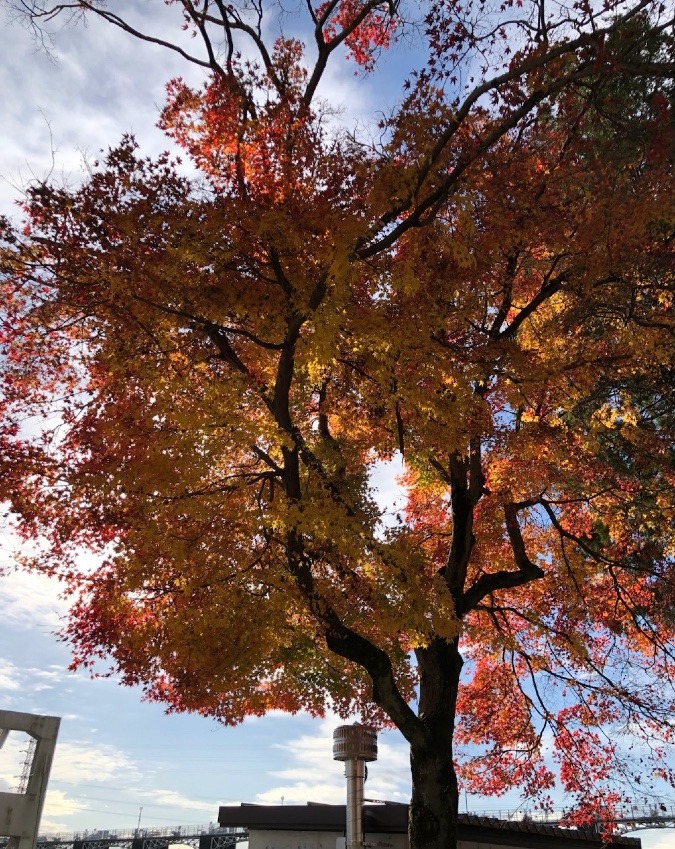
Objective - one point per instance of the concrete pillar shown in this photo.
(20, 812)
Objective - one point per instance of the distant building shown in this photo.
(315, 826)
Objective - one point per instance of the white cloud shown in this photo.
(274, 714)
(175, 800)
(20, 684)
(10, 676)
(67, 108)
(301, 792)
(57, 806)
(312, 775)
(389, 777)
(76, 762)
(28, 599)
(83, 99)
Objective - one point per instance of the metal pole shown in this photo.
(354, 745)
(355, 771)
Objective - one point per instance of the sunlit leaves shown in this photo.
(200, 376)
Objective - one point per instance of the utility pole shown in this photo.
(138, 824)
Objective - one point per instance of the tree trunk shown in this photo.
(434, 805)
(435, 794)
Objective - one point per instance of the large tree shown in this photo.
(200, 375)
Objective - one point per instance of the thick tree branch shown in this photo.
(548, 290)
(463, 539)
(526, 572)
(352, 646)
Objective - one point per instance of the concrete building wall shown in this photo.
(262, 839)
(20, 812)
(329, 840)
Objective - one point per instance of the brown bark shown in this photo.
(435, 797)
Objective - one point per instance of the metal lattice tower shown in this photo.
(27, 765)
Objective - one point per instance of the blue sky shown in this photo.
(117, 754)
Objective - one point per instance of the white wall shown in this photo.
(320, 840)
(328, 840)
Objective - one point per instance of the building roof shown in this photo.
(392, 818)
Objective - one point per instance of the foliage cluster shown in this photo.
(487, 294)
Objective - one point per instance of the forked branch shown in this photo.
(527, 570)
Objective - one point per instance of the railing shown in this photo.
(132, 833)
(657, 814)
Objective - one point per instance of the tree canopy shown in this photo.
(201, 373)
